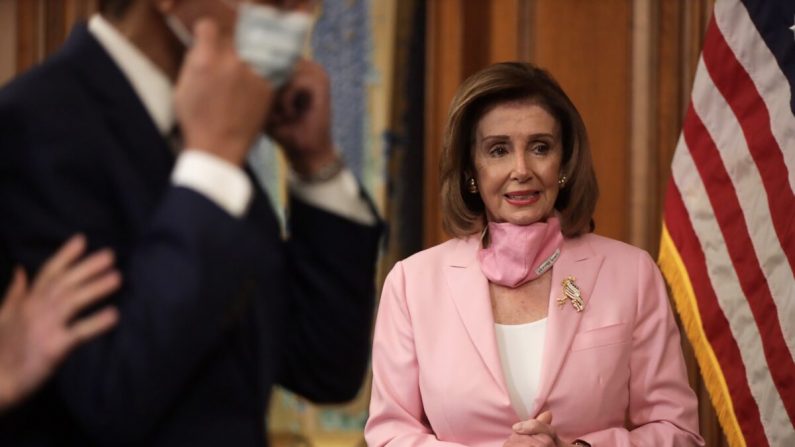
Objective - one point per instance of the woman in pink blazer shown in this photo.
(526, 329)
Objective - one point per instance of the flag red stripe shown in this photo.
(736, 86)
(716, 327)
(727, 210)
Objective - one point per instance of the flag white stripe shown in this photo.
(730, 297)
(753, 54)
(725, 130)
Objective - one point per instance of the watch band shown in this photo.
(325, 173)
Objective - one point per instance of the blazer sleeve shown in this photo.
(182, 273)
(662, 406)
(178, 286)
(396, 417)
(332, 287)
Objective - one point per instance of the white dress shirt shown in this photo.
(225, 184)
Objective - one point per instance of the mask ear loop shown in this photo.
(180, 30)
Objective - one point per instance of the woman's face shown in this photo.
(517, 157)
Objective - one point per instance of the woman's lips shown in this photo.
(522, 198)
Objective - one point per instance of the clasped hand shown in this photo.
(536, 432)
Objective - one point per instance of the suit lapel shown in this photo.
(469, 290)
(579, 261)
(132, 127)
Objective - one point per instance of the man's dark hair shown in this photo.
(114, 8)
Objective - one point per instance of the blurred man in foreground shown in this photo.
(136, 134)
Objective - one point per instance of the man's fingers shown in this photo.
(91, 292)
(93, 325)
(299, 92)
(66, 255)
(17, 289)
(287, 104)
(83, 271)
(206, 35)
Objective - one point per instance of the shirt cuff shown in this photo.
(223, 183)
(338, 195)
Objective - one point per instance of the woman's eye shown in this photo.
(542, 148)
(498, 150)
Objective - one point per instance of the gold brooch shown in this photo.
(572, 293)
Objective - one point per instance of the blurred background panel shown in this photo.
(395, 64)
(32, 29)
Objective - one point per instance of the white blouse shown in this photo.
(521, 349)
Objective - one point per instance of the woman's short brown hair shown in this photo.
(463, 213)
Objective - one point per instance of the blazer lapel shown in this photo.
(469, 290)
(578, 260)
(125, 114)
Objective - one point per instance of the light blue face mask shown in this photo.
(271, 40)
(267, 38)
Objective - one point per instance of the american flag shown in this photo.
(728, 242)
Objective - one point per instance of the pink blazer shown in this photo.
(612, 375)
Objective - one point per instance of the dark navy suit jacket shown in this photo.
(214, 309)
